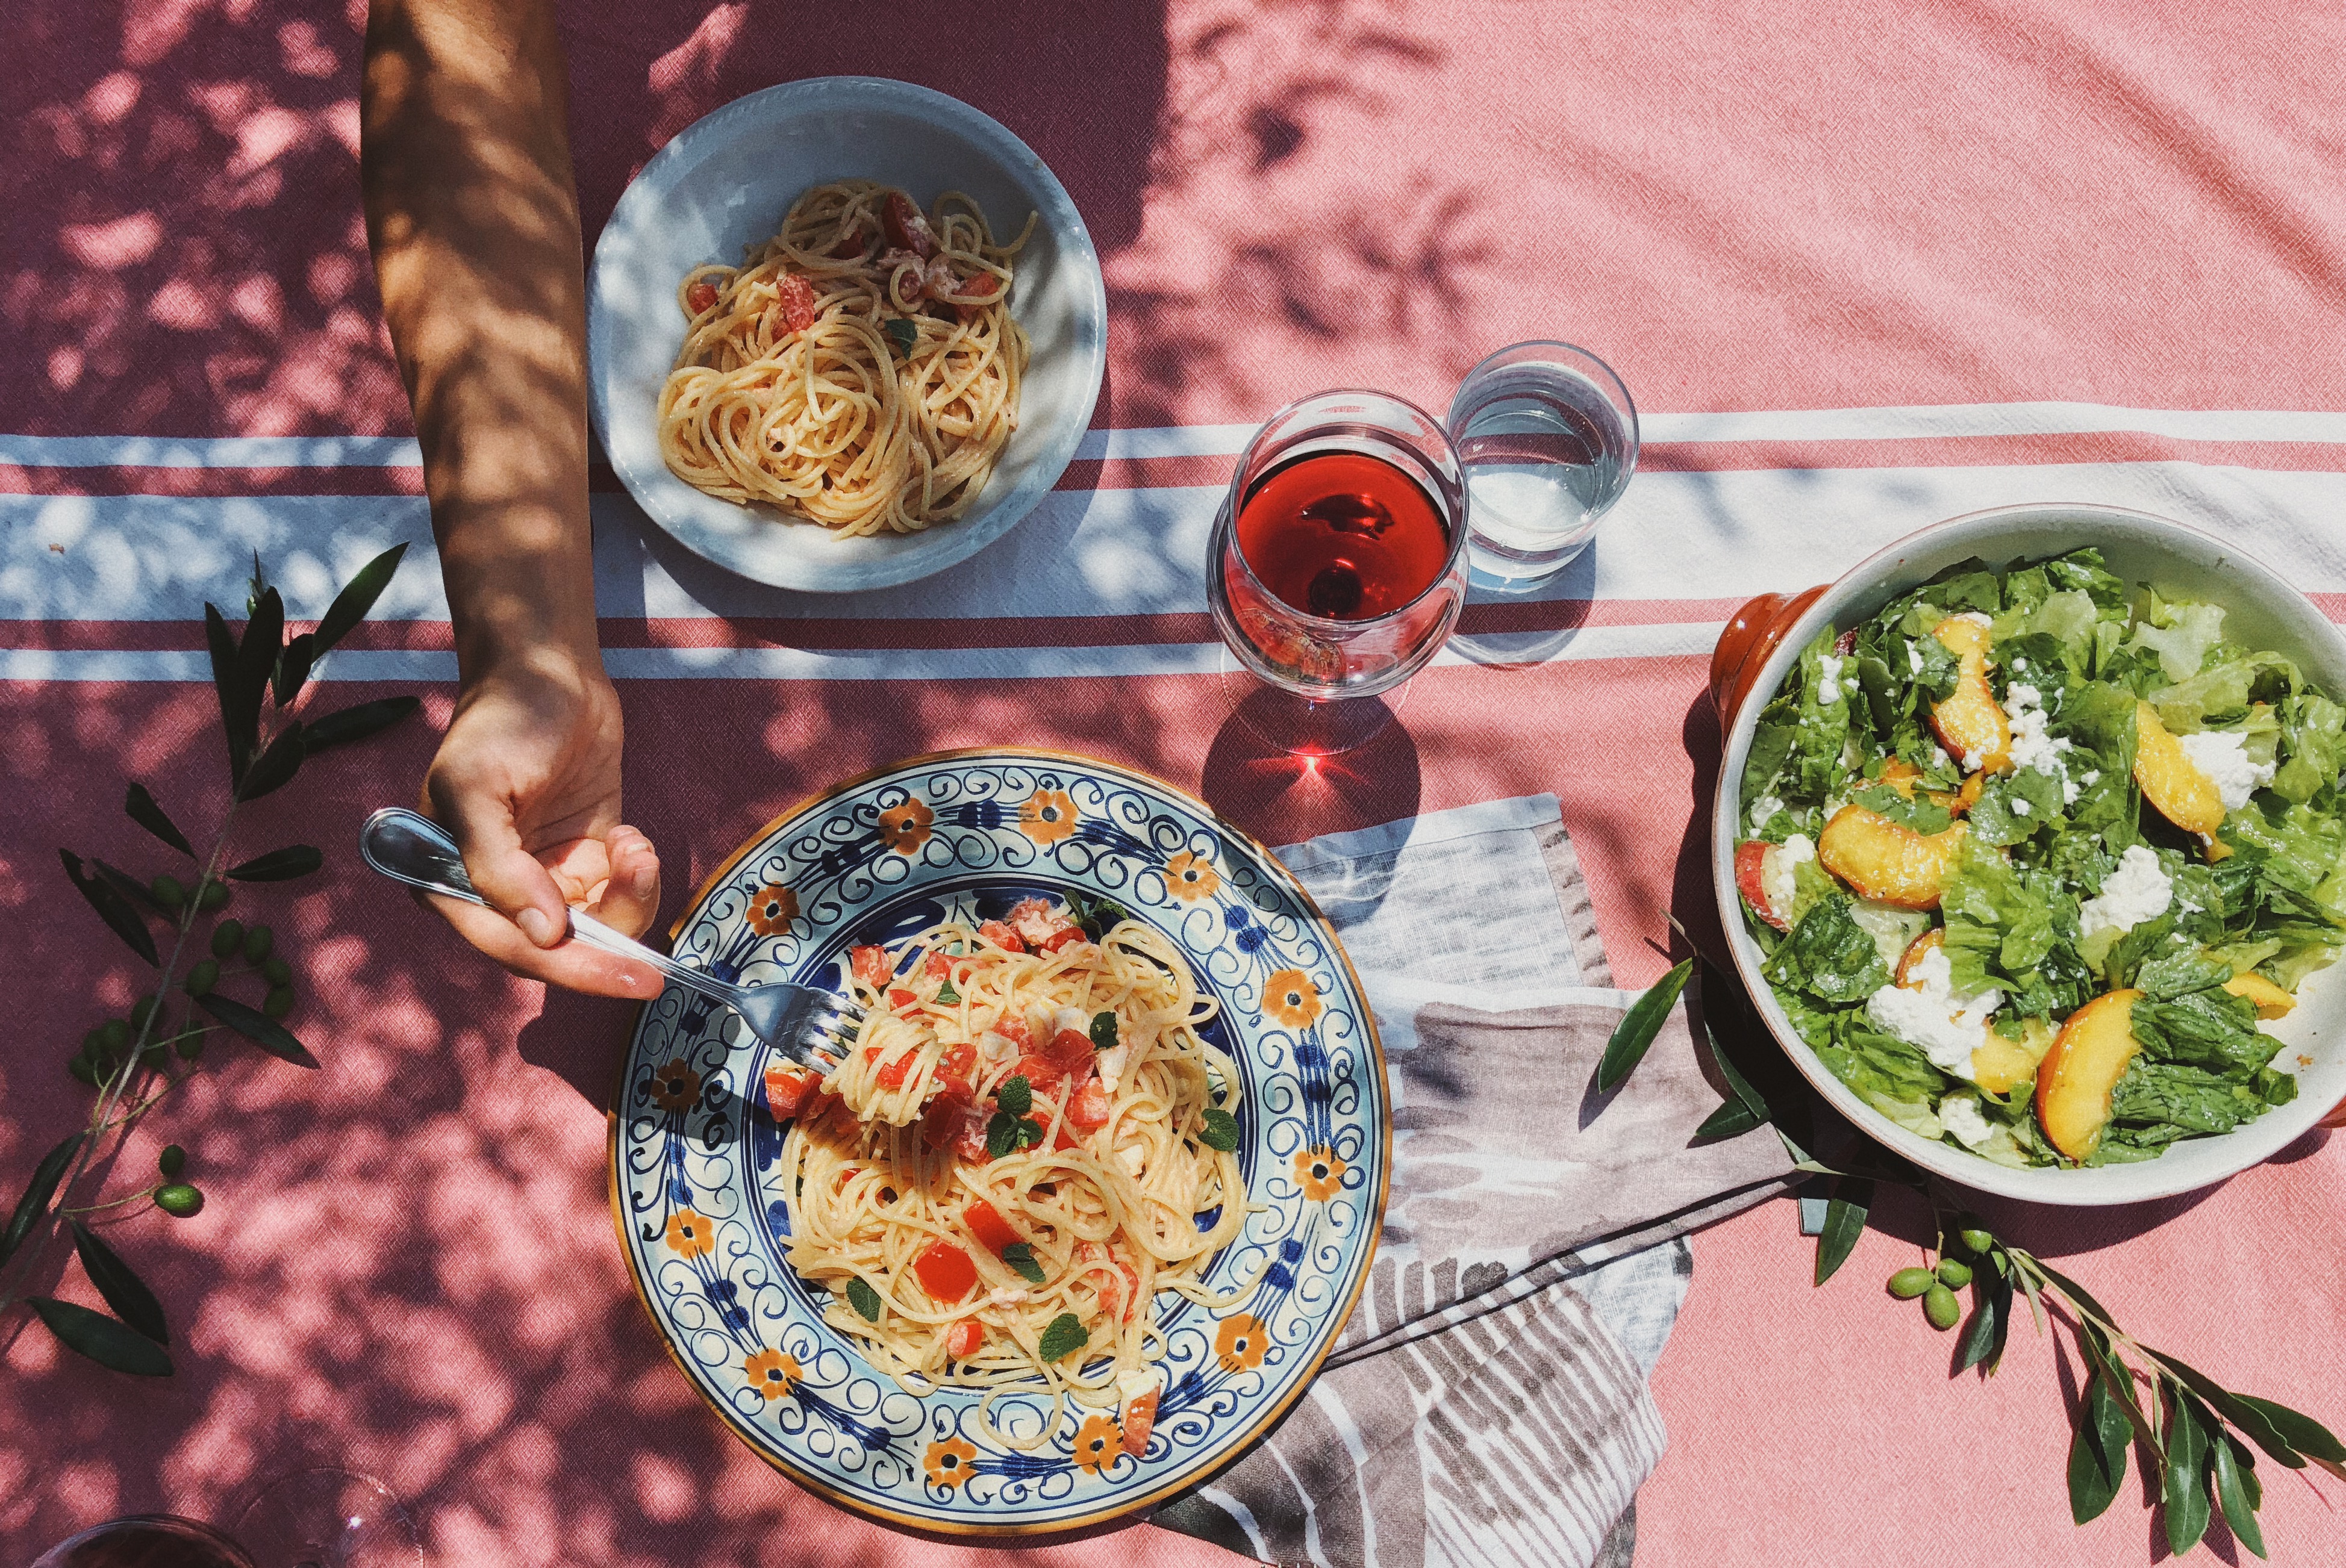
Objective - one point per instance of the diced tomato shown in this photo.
(897, 998)
(871, 965)
(786, 1090)
(945, 1271)
(1089, 1108)
(986, 1224)
(1011, 1026)
(1139, 1419)
(1064, 1137)
(1036, 920)
(1001, 936)
(976, 293)
(1131, 1288)
(854, 242)
(700, 296)
(956, 1068)
(970, 1142)
(938, 967)
(941, 1122)
(1072, 1052)
(965, 1338)
(891, 1074)
(907, 228)
(1042, 1074)
(1067, 938)
(795, 296)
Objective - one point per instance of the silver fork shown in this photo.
(800, 1021)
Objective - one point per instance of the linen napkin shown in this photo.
(1486, 1404)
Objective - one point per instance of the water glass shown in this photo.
(1548, 436)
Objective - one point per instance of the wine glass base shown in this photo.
(1302, 726)
(329, 1519)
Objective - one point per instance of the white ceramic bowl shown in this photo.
(725, 182)
(2264, 612)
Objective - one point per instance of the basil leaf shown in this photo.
(2186, 1491)
(1015, 1095)
(1103, 1031)
(143, 810)
(1020, 1256)
(2233, 1482)
(111, 907)
(1634, 1034)
(901, 332)
(357, 597)
(1220, 1130)
(1844, 1223)
(863, 1298)
(37, 1193)
(258, 1027)
(1063, 1337)
(2097, 1452)
(278, 865)
(101, 1338)
(122, 1288)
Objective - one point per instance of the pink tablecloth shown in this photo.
(1865, 266)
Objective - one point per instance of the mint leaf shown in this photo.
(863, 1298)
(1000, 1134)
(1221, 1131)
(1016, 1095)
(947, 995)
(901, 332)
(1020, 1256)
(1064, 1338)
(1103, 1031)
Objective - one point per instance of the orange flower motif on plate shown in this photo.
(1048, 817)
(1240, 1342)
(773, 1373)
(676, 1086)
(906, 828)
(773, 910)
(1319, 1173)
(948, 1462)
(1098, 1443)
(1190, 877)
(690, 1234)
(1291, 998)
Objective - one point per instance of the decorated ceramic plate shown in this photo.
(705, 1222)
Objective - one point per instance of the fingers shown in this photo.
(572, 964)
(518, 888)
(630, 896)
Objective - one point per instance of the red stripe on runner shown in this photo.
(17, 479)
(1988, 451)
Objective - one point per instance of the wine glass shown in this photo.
(1338, 564)
(315, 1518)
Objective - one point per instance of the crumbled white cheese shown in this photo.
(1851, 686)
(1110, 1066)
(1976, 617)
(2032, 747)
(1763, 811)
(1973, 762)
(2222, 755)
(2020, 805)
(2090, 778)
(1939, 754)
(1926, 1013)
(2135, 891)
(1134, 1159)
(1915, 656)
(1074, 1018)
(1960, 1114)
(2019, 664)
(1003, 1296)
(1776, 879)
(1827, 672)
(996, 1050)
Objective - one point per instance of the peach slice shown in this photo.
(1887, 861)
(2086, 1061)
(2170, 781)
(1922, 947)
(1751, 881)
(2001, 1066)
(1970, 723)
(2271, 1001)
(1902, 776)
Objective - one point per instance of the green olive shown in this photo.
(114, 1036)
(180, 1199)
(1909, 1283)
(140, 1012)
(227, 937)
(81, 1068)
(1978, 1241)
(276, 971)
(259, 943)
(189, 1045)
(279, 1001)
(1939, 1307)
(165, 890)
(172, 1161)
(1954, 1275)
(212, 896)
(202, 977)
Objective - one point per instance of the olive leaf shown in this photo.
(133, 891)
(101, 1338)
(111, 907)
(2258, 1427)
(143, 810)
(1220, 1130)
(1634, 1034)
(275, 767)
(1991, 1319)
(357, 597)
(242, 727)
(121, 1286)
(2185, 1497)
(1020, 1256)
(863, 1298)
(2237, 1492)
(2302, 1432)
(37, 1193)
(356, 722)
(1743, 1109)
(258, 1027)
(2097, 1452)
(257, 654)
(1844, 1223)
(293, 668)
(2101, 1361)
(1063, 1337)
(278, 865)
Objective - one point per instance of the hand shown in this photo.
(527, 780)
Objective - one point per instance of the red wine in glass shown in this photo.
(1344, 536)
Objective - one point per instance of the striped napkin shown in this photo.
(1487, 1402)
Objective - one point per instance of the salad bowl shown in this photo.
(1760, 651)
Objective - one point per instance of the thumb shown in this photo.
(502, 871)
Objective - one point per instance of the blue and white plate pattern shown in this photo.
(704, 1222)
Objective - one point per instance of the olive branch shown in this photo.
(133, 1063)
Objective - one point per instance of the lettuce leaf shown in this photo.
(2314, 741)
(1829, 956)
(2190, 1098)
(2208, 1029)
(2179, 634)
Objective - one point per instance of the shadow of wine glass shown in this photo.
(1283, 797)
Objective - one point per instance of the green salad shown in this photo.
(2031, 854)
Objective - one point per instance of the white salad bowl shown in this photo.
(724, 182)
(2262, 610)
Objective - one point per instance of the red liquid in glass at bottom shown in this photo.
(1343, 536)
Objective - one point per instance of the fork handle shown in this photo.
(411, 848)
